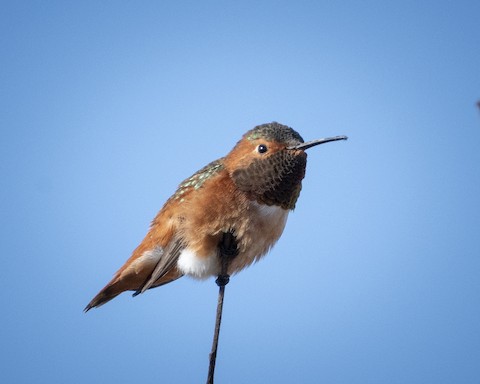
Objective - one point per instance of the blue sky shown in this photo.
(107, 106)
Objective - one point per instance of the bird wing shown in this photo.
(145, 269)
(168, 260)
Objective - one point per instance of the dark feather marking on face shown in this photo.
(275, 179)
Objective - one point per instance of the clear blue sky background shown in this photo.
(106, 106)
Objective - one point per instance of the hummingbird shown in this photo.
(248, 193)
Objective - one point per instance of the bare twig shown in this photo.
(228, 250)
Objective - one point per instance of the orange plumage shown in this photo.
(249, 193)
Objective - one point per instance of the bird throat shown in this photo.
(275, 179)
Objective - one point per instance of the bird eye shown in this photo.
(262, 148)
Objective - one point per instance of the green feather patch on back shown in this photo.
(197, 180)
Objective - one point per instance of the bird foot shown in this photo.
(222, 280)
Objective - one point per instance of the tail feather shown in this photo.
(111, 290)
(121, 284)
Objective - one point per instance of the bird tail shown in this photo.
(120, 284)
(108, 293)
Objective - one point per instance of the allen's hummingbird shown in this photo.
(247, 193)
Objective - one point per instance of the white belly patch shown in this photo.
(190, 264)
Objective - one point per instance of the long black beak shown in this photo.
(312, 143)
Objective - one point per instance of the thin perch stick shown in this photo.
(228, 250)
